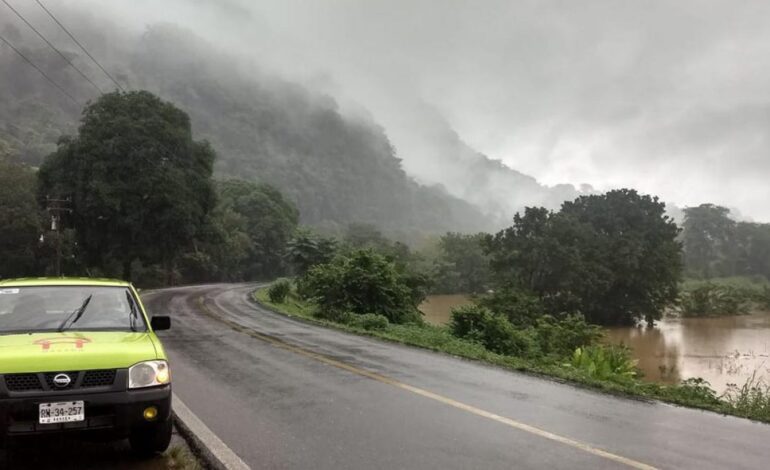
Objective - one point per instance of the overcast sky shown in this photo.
(672, 98)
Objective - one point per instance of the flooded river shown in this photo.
(438, 308)
(721, 350)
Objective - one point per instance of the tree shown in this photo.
(307, 249)
(362, 282)
(20, 222)
(612, 257)
(269, 222)
(708, 238)
(462, 266)
(140, 185)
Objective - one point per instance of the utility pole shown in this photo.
(57, 207)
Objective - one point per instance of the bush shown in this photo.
(278, 291)
(605, 362)
(710, 299)
(752, 399)
(370, 321)
(495, 332)
(561, 337)
(360, 282)
(519, 307)
(697, 390)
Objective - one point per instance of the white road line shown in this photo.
(209, 442)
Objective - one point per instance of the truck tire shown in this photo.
(147, 442)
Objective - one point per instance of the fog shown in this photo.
(666, 97)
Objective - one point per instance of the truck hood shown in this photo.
(70, 351)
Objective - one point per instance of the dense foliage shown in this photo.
(716, 245)
(461, 265)
(361, 282)
(20, 221)
(612, 257)
(140, 186)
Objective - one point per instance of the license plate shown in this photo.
(63, 412)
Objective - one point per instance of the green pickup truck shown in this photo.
(81, 356)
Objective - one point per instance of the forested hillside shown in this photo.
(336, 169)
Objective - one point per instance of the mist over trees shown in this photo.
(716, 245)
(335, 169)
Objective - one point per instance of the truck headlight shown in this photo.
(148, 374)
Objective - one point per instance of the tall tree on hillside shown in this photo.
(140, 185)
(20, 224)
(708, 240)
(612, 257)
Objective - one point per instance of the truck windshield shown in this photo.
(55, 308)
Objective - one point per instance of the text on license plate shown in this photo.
(64, 412)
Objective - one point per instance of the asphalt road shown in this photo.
(285, 394)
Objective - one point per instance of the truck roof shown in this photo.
(62, 281)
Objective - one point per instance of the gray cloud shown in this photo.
(669, 97)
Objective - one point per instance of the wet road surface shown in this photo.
(285, 394)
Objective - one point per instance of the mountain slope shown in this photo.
(338, 170)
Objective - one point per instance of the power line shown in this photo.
(50, 80)
(52, 46)
(80, 45)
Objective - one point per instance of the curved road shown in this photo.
(285, 394)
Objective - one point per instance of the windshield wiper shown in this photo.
(77, 313)
(132, 315)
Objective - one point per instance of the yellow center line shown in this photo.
(431, 395)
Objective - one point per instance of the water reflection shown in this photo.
(721, 350)
(438, 308)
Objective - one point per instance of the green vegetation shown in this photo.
(724, 296)
(605, 368)
(20, 222)
(362, 282)
(716, 245)
(461, 265)
(613, 258)
(132, 166)
(279, 290)
(751, 399)
(141, 204)
(604, 362)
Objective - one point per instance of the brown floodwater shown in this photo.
(438, 308)
(721, 350)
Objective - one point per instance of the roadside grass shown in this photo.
(749, 401)
(180, 458)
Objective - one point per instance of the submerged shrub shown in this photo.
(605, 362)
(711, 299)
(562, 336)
(279, 290)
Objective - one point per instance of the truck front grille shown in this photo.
(22, 382)
(45, 381)
(98, 378)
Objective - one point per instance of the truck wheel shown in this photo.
(146, 442)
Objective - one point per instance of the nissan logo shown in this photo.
(62, 380)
